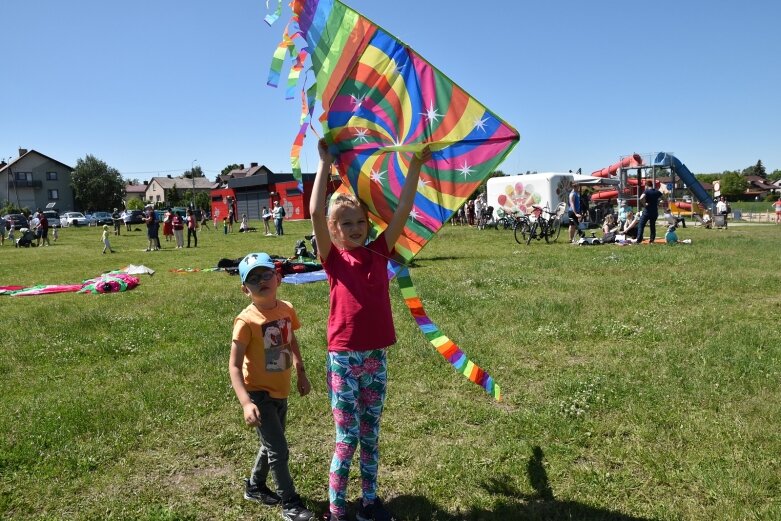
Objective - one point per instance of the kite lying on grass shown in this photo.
(381, 103)
(106, 283)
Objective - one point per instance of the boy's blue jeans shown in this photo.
(273, 454)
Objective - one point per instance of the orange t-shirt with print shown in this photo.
(268, 358)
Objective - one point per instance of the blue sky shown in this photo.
(149, 86)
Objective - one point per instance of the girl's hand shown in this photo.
(422, 157)
(325, 155)
(252, 415)
(303, 385)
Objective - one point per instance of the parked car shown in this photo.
(18, 220)
(53, 218)
(102, 218)
(74, 219)
(136, 216)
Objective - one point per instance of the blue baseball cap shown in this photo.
(252, 261)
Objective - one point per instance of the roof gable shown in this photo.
(34, 152)
(183, 183)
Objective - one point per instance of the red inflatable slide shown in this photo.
(629, 161)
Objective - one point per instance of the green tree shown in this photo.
(135, 204)
(484, 185)
(733, 184)
(227, 169)
(97, 185)
(707, 178)
(758, 169)
(774, 176)
(196, 171)
(203, 200)
(173, 197)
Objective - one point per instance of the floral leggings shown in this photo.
(356, 386)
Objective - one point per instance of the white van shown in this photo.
(518, 193)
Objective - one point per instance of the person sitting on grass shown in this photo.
(671, 237)
(263, 350)
(610, 228)
(673, 220)
(630, 226)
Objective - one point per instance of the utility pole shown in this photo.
(16, 190)
(192, 176)
(7, 181)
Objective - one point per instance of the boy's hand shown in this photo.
(303, 385)
(252, 414)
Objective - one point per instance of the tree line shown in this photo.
(734, 182)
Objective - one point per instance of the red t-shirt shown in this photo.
(360, 318)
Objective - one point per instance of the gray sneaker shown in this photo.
(260, 493)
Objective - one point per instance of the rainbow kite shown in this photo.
(382, 103)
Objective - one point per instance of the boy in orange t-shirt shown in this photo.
(263, 350)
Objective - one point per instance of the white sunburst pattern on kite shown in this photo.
(431, 113)
(378, 176)
(360, 135)
(465, 170)
(479, 123)
(357, 101)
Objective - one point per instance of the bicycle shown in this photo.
(543, 228)
(505, 221)
(521, 226)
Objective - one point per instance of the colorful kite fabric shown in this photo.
(46, 289)
(382, 103)
(109, 283)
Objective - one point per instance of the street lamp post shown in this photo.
(192, 176)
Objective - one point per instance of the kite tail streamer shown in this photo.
(273, 17)
(446, 347)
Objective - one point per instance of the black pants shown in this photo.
(650, 219)
(273, 454)
(191, 233)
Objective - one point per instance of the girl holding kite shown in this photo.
(360, 328)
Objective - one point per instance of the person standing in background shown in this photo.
(279, 216)
(192, 227)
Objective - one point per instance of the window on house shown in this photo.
(292, 191)
(23, 176)
(53, 195)
(51, 176)
(157, 198)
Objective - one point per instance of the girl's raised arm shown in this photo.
(317, 202)
(407, 198)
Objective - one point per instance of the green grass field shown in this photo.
(639, 382)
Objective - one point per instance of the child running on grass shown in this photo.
(360, 329)
(263, 349)
(106, 243)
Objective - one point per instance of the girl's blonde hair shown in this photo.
(339, 201)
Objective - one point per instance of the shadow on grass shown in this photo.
(421, 263)
(512, 504)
